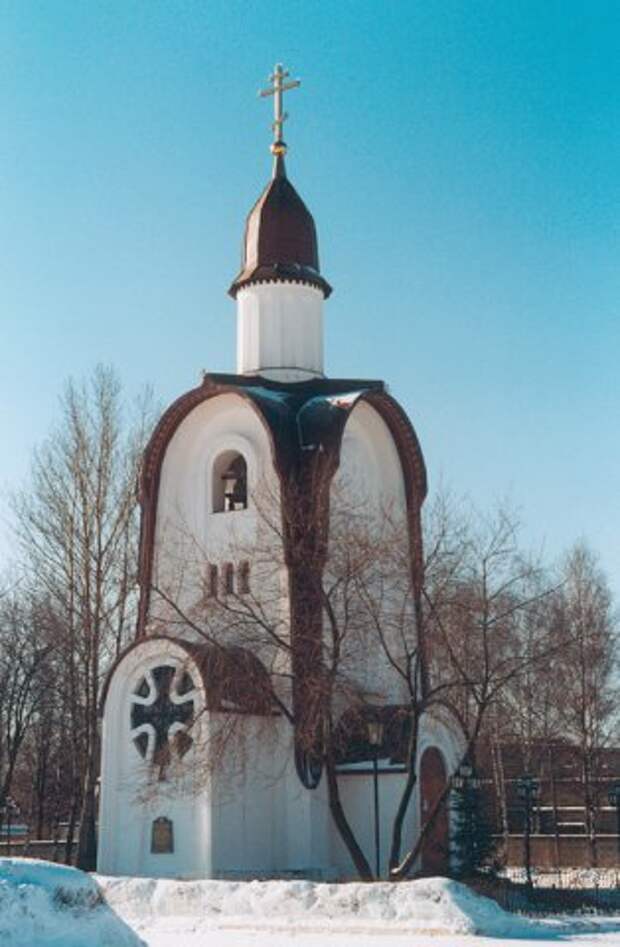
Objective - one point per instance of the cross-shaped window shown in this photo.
(162, 711)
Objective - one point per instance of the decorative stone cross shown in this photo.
(279, 117)
(161, 713)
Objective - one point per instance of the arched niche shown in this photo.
(229, 482)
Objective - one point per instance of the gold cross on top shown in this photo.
(279, 117)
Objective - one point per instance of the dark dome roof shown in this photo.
(280, 238)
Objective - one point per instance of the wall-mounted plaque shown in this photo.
(162, 837)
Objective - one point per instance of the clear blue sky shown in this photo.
(462, 162)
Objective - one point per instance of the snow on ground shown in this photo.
(47, 905)
(185, 938)
(433, 912)
(431, 905)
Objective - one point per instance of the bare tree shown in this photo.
(76, 525)
(588, 710)
(471, 641)
(23, 657)
(243, 604)
(483, 627)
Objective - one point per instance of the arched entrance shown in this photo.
(436, 845)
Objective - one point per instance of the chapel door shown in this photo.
(436, 845)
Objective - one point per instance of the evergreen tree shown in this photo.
(473, 844)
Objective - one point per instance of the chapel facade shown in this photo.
(263, 495)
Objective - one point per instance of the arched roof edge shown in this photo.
(137, 642)
(148, 483)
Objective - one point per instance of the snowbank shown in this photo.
(433, 906)
(51, 905)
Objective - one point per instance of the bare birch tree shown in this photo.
(483, 627)
(77, 530)
(589, 706)
(23, 656)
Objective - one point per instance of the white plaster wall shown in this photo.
(369, 461)
(357, 795)
(130, 800)
(247, 799)
(437, 729)
(265, 822)
(308, 826)
(188, 533)
(280, 331)
(246, 815)
(369, 484)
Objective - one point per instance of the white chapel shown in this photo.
(257, 490)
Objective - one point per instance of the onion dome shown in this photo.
(280, 243)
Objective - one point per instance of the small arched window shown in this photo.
(243, 583)
(230, 482)
(228, 579)
(211, 583)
